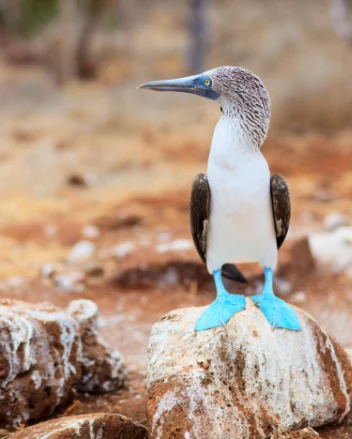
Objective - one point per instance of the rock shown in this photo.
(306, 433)
(92, 426)
(83, 180)
(124, 248)
(333, 248)
(93, 269)
(102, 371)
(90, 231)
(176, 245)
(82, 251)
(244, 380)
(39, 360)
(48, 271)
(334, 220)
(71, 281)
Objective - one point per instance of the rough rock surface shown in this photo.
(40, 349)
(95, 426)
(306, 433)
(243, 380)
(102, 371)
(45, 352)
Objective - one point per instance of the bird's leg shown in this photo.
(278, 313)
(224, 307)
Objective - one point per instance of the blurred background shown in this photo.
(95, 174)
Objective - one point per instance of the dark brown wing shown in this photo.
(199, 213)
(280, 199)
(199, 216)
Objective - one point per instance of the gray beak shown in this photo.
(199, 85)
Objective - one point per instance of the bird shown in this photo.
(239, 213)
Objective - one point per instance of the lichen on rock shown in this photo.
(45, 353)
(40, 349)
(245, 379)
(102, 371)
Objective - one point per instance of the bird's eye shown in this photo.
(207, 82)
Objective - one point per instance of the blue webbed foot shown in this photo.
(278, 313)
(222, 309)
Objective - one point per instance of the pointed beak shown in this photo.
(191, 84)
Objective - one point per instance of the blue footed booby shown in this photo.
(239, 213)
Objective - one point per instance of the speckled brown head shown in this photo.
(241, 94)
(244, 97)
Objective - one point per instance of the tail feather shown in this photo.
(230, 271)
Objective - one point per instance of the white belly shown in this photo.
(241, 226)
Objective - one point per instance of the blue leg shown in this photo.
(278, 313)
(224, 307)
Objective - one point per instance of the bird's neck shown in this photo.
(231, 143)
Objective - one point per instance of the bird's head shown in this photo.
(240, 93)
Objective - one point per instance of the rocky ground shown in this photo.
(94, 205)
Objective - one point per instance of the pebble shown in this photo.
(90, 231)
(299, 297)
(176, 245)
(124, 249)
(81, 251)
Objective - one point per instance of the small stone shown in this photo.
(83, 180)
(257, 381)
(82, 251)
(299, 297)
(91, 426)
(176, 245)
(283, 286)
(71, 281)
(93, 269)
(124, 249)
(90, 231)
(335, 220)
(48, 271)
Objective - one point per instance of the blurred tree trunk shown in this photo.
(341, 15)
(77, 22)
(198, 35)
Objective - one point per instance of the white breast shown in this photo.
(241, 227)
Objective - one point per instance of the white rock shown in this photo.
(299, 297)
(124, 249)
(176, 245)
(334, 220)
(82, 251)
(333, 247)
(71, 281)
(47, 271)
(243, 380)
(90, 231)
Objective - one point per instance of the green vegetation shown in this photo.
(36, 14)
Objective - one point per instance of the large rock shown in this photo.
(96, 426)
(102, 371)
(244, 380)
(45, 352)
(40, 350)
